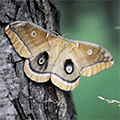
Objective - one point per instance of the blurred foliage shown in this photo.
(97, 22)
(117, 27)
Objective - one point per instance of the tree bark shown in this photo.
(21, 98)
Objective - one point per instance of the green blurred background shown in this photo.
(95, 21)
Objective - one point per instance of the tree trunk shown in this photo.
(21, 98)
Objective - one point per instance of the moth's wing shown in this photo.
(33, 42)
(87, 58)
(91, 58)
(39, 67)
(65, 73)
(28, 38)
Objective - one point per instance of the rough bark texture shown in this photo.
(21, 98)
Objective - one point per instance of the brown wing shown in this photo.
(33, 42)
(29, 39)
(90, 58)
(65, 73)
(83, 58)
(39, 67)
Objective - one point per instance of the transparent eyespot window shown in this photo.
(69, 66)
(41, 61)
(34, 34)
(69, 69)
(89, 52)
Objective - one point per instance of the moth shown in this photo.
(49, 56)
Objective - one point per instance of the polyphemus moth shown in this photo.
(53, 57)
